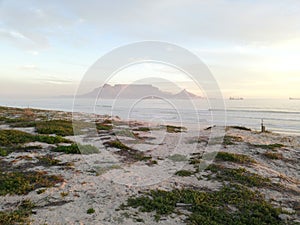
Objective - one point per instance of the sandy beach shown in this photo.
(127, 168)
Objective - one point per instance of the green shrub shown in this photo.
(58, 127)
(3, 152)
(233, 157)
(51, 139)
(12, 138)
(90, 211)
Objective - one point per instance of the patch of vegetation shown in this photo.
(232, 205)
(12, 138)
(239, 175)
(177, 158)
(125, 133)
(195, 159)
(151, 162)
(230, 140)
(64, 194)
(18, 122)
(40, 191)
(143, 129)
(51, 139)
(199, 140)
(234, 157)
(240, 128)
(76, 149)
(129, 154)
(18, 216)
(184, 173)
(30, 147)
(175, 129)
(103, 126)
(116, 144)
(58, 127)
(90, 211)
(273, 155)
(3, 152)
(48, 160)
(22, 183)
(101, 170)
(269, 147)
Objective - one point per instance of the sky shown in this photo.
(251, 47)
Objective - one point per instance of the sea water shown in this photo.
(279, 115)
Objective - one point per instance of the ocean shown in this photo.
(279, 115)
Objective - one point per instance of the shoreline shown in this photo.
(122, 161)
(284, 132)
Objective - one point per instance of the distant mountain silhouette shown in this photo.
(132, 91)
(185, 94)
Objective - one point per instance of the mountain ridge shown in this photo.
(129, 91)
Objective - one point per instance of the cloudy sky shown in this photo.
(251, 47)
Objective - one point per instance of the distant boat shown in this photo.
(236, 98)
(294, 98)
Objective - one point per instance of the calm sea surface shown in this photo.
(278, 115)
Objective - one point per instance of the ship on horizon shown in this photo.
(236, 98)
